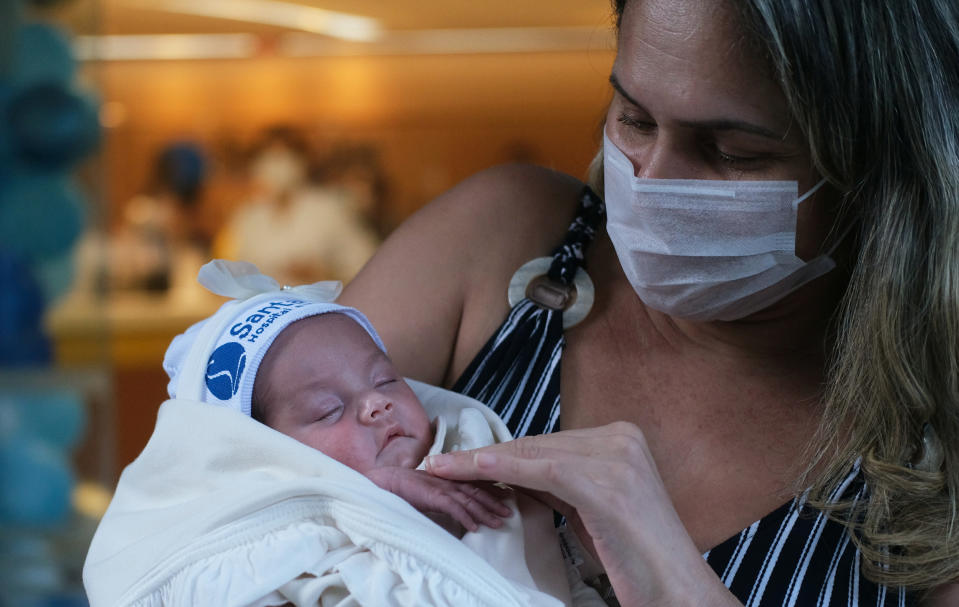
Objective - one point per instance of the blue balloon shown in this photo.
(52, 126)
(42, 53)
(21, 300)
(36, 483)
(28, 349)
(41, 217)
(22, 341)
(7, 153)
(56, 416)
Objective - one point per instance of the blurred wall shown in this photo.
(434, 119)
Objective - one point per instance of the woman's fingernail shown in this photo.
(485, 460)
(434, 461)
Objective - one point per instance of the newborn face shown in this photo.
(327, 385)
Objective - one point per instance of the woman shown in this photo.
(739, 385)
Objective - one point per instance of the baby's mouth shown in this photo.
(391, 434)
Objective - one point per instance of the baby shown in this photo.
(318, 372)
(326, 381)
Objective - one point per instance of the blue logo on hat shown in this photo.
(224, 370)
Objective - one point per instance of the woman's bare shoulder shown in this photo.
(437, 285)
(513, 197)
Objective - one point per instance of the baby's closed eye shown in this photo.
(326, 411)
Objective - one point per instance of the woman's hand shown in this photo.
(606, 483)
(467, 503)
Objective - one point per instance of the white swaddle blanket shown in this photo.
(221, 510)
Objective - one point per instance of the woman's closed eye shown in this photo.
(636, 123)
(738, 161)
(744, 161)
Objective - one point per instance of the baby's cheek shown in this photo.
(357, 453)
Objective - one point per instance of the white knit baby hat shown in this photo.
(216, 359)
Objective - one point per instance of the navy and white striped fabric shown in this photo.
(794, 556)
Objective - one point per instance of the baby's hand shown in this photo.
(467, 503)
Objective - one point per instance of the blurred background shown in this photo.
(140, 138)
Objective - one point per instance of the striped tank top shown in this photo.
(793, 556)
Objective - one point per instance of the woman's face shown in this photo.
(693, 100)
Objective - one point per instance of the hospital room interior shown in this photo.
(140, 139)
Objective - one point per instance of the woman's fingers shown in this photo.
(566, 464)
(490, 463)
(594, 477)
(548, 475)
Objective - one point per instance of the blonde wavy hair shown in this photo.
(875, 88)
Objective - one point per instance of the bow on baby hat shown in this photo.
(242, 280)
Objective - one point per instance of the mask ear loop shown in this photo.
(809, 193)
(842, 235)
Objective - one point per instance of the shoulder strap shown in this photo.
(570, 255)
(517, 372)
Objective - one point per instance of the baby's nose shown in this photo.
(377, 406)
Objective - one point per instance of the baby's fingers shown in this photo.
(491, 499)
(453, 506)
(481, 507)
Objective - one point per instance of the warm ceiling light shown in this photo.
(283, 14)
(165, 46)
(456, 41)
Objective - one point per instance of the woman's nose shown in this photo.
(375, 407)
(654, 164)
(660, 160)
(665, 154)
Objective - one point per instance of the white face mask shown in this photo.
(705, 249)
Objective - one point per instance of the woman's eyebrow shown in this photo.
(712, 125)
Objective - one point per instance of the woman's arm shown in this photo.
(605, 481)
(436, 288)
